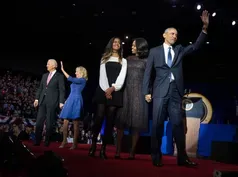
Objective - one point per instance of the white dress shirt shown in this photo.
(166, 51)
(52, 73)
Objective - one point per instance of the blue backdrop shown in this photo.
(207, 134)
(223, 98)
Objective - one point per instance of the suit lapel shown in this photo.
(162, 55)
(46, 78)
(175, 56)
(51, 78)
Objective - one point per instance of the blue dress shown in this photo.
(74, 104)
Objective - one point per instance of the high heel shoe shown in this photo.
(74, 146)
(103, 152)
(131, 156)
(92, 150)
(62, 145)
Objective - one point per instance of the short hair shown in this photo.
(167, 29)
(54, 61)
(83, 71)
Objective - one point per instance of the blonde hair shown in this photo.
(83, 71)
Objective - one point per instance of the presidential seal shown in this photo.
(201, 106)
(187, 104)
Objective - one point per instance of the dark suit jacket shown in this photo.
(54, 92)
(156, 59)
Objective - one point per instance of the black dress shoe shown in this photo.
(103, 155)
(157, 163)
(103, 152)
(92, 150)
(187, 163)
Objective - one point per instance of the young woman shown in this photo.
(133, 114)
(109, 95)
(73, 106)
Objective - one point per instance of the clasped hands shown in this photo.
(108, 92)
(148, 98)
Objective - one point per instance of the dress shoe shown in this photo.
(103, 152)
(131, 156)
(157, 159)
(187, 163)
(73, 147)
(92, 150)
(62, 144)
(157, 163)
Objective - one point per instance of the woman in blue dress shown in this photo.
(73, 106)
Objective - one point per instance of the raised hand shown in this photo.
(205, 18)
(62, 66)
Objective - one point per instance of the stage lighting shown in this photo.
(199, 6)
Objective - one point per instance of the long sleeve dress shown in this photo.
(112, 73)
(134, 113)
(74, 104)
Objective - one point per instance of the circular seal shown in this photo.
(187, 104)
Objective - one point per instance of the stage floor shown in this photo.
(80, 165)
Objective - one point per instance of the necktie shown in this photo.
(49, 77)
(169, 62)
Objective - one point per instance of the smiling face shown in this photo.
(78, 73)
(81, 72)
(170, 36)
(133, 47)
(116, 45)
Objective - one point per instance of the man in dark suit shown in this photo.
(168, 90)
(49, 97)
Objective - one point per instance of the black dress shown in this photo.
(134, 113)
(112, 73)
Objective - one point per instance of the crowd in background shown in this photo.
(17, 95)
(17, 113)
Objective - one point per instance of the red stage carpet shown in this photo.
(80, 165)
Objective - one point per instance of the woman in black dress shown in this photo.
(134, 113)
(109, 95)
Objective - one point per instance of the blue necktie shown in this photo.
(169, 62)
